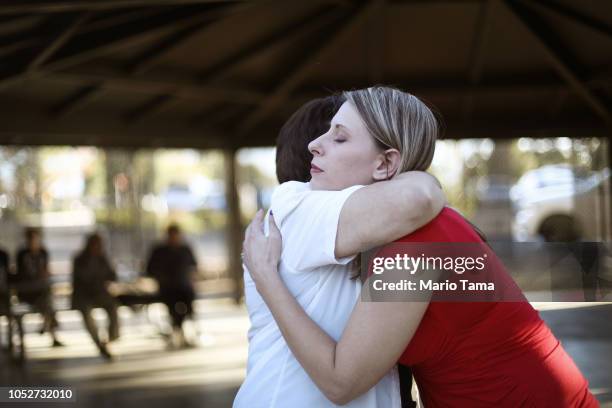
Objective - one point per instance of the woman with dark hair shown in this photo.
(306, 124)
(477, 354)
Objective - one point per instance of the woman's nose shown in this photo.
(314, 147)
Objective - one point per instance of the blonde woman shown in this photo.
(462, 354)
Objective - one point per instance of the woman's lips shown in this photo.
(315, 169)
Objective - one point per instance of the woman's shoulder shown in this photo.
(291, 187)
(291, 195)
(448, 226)
(298, 187)
(286, 197)
(288, 191)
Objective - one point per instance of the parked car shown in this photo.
(545, 203)
(182, 197)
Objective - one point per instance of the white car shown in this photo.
(545, 202)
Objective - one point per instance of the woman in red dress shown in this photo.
(488, 353)
(477, 354)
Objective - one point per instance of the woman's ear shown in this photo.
(387, 165)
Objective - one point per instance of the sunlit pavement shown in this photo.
(145, 373)
(585, 330)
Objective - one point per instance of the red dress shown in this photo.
(494, 354)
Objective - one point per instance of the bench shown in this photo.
(14, 311)
(14, 322)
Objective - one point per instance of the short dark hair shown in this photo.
(173, 229)
(92, 239)
(310, 121)
(31, 232)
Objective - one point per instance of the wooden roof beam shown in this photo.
(309, 61)
(18, 42)
(157, 51)
(61, 38)
(155, 104)
(570, 13)
(18, 24)
(291, 32)
(306, 26)
(87, 46)
(190, 90)
(22, 125)
(155, 86)
(477, 52)
(77, 100)
(557, 54)
(53, 6)
(89, 92)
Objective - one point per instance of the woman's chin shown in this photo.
(316, 184)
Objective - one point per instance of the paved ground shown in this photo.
(586, 334)
(146, 374)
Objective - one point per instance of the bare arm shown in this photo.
(385, 211)
(372, 342)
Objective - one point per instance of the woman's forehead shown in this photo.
(348, 117)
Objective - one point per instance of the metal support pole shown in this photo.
(234, 224)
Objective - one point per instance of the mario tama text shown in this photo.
(487, 272)
(430, 285)
(403, 272)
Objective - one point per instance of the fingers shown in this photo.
(253, 236)
(273, 228)
(258, 221)
(255, 228)
(247, 233)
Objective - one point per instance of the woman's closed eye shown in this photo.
(339, 136)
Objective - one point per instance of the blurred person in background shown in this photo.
(92, 273)
(4, 290)
(33, 281)
(172, 264)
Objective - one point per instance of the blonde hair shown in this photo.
(398, 120)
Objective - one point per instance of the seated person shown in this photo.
(172, 264)
(33, 281)
(91, 275)
(4, 277)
